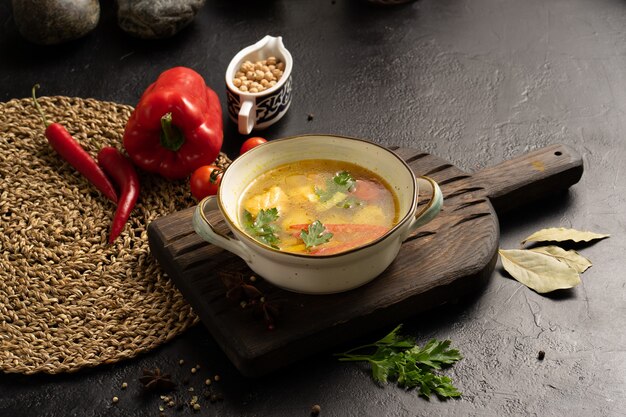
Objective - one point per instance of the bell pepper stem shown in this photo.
(171, 136)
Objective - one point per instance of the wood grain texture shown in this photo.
(441, 262)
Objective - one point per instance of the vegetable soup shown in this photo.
(318, 207)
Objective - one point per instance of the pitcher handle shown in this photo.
(246, 117)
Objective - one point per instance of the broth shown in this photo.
(317, 207)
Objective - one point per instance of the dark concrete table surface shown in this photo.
(474, 82)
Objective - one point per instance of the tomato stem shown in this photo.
(213, 178)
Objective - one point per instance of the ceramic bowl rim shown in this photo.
(256, 244)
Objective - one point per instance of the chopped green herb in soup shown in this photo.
(318, 207)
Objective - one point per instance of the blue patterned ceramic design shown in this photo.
(275, 105)
(233, 105)
(269, 109)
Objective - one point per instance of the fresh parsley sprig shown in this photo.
(342, 182)
(399, 358)
(315, 234)
(261, 227)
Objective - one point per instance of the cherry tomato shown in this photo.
(205, 181)
(251, 143)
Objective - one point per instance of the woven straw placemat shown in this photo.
(69, 300)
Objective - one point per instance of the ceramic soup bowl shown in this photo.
(323, 274)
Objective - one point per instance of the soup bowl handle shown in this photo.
(430, 210)
(205, 229)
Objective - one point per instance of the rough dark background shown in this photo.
(474, 82)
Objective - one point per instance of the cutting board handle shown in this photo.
(529, 177)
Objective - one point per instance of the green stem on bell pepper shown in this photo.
(171, 136)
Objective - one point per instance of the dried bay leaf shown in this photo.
(561, 234)
(570, 257)
(540, 272)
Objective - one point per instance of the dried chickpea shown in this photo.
(260, 75)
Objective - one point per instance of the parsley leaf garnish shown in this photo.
(315, 235)
(400, 359)
(261, 228)
(342, 182)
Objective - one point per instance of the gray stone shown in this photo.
(50, 22)
(156, 19)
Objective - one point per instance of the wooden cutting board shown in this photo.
(443, 261)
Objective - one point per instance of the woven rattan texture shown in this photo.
(69, 300)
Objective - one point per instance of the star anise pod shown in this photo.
(270, 311)
(231, 277)
(240, 291)
(154, 380)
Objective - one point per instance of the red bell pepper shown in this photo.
(176, 126)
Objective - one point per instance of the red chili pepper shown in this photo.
(66, 146)
(176, 126)
(123, 173)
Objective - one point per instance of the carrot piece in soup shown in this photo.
(345, 236)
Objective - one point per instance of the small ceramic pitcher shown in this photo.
(255, 111)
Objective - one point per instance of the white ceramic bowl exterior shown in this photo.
(317, 274)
